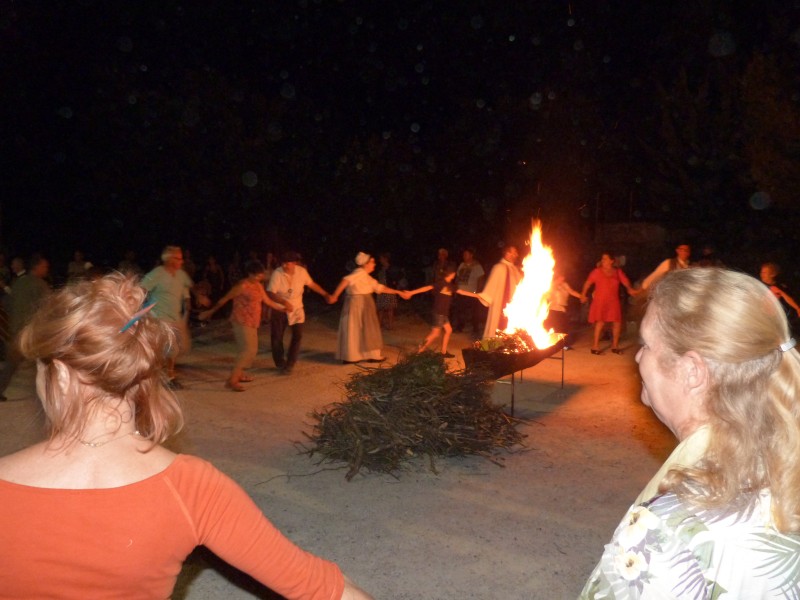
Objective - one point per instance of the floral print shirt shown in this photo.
(247, 305)
(665, 549)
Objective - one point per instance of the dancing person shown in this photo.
(444, 289)
(359, 336)
(499, 290)
(100, 502)
(721, 518)
(170, 288)
(605, 306)
(248, 295)
(558, 298)
(676, 263)
(286, 287)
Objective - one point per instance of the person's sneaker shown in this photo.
(448, 355)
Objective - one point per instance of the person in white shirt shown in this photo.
(286, 286)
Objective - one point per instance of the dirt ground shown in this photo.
(532, 529)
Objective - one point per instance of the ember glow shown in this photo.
(529, 306)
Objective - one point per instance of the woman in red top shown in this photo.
(100, 508)
(605, 307)
(247, 296)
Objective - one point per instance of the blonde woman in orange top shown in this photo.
(101, 508)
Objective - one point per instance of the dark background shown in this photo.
(338, 126)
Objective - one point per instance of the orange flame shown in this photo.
(529, 306)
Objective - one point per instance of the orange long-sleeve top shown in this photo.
(130, 541)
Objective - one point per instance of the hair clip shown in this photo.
(138, 315)
(788, 345)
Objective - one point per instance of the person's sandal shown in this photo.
(597, 352)
(617, 350)
(234, 387)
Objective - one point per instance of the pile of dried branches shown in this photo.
(415, 408)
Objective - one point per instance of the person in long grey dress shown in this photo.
(360, 337)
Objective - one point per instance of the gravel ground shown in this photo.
(530, 529)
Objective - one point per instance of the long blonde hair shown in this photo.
(737, 326)
(81, 326)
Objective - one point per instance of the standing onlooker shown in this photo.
(606, 307)
(708, 258)
(439, 267)
(78, 266)
(215, 276)
(499, 290)
(248, 296)
(721, 518)
(5, 271)
(234, 270)
(128, 264)
(188, 264)
(286, 287)
(17, 268)
(27, 291)
(170, 288)
(360, 335)
(679, 261)
(466, 307)
(386, 303)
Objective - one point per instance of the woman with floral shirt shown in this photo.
(721, 519)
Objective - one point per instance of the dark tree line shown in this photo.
(339, 126)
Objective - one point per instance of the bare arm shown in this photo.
(422, 290)
(404, 294)
(282, 301)
(585, 289)
(466, 293)
(786, 297)
(232, 293)
(271, 303)
(315, 287)
(572, 292)
(353, 592)
(337, 292)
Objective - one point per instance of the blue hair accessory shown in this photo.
(138, 315)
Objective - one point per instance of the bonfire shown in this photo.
(524, 341)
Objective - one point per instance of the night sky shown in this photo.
(337, 126)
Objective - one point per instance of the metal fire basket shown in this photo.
(499, 364)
